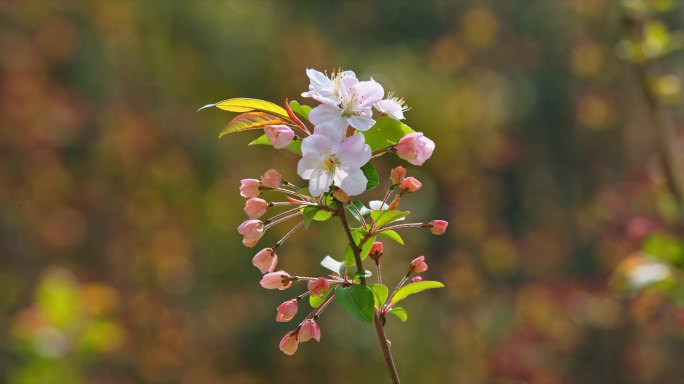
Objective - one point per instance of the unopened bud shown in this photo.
(250, 188)
(376, 251)
(317, 286)
(286, 311)
(309, 330)
(418, 265)
(289, 343)
(340, 195)
(397, 175)
(280, 136)
(272, 179)
(437, 227)
(410, 185)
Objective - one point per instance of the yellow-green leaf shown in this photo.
(411, 288)
(251, 120)
(243, 104)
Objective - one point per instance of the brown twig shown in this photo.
(384, 344)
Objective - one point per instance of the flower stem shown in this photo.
(384, 344)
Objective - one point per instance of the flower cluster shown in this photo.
(353, 122)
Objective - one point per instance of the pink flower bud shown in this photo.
(340, 195)
(289, 343)
(265, 260)
(317, 286)
(276, 280)
(415, 148)
(249, 188)
(280, 136)
(397, 175)
(255, 207)
(438, 227)
(410, 185)
(418, 265)
(272, 179)
(309, 330)
(286, 311)
(251, 230)
(376, 251)
(416, 279)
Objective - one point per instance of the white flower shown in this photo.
(325, 89)
(328, 159)
(354, 105)
(392, 106)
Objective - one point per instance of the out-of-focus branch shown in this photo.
(662, 122)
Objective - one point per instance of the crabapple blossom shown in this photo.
(289, 343)
(336, 161)
(250, 188)
(392, 106)
(410, 185)
(265, 260)
(317, 286)
(438, 227)
(309, 330)
(418, 265)
(276, 280)
(255, 207)
(326, 89)
(252, 231)
(353, 107)
(280, 136)
(415, 148)
(286, 311)
(272, 179)
(327, 160)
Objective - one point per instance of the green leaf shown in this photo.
(380, 292)
(358, 235)
(411, 288)
(249, 121)
(392, 235)
(386, 132)
(243, 104)
(400, 313)
(295, 146)
(332, 264)
(301, 110)
(371, 174)
(316, 301)
(365, 212)
(308, 214)
(383, 217)
(357, 300)
(312, 212)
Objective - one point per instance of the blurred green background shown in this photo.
(119, 258)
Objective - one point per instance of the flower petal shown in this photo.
(308, 164)
(391, 108)
(362, 123)
(319, 83)
(354, 152)
(319, 182)
(370, 93)
(327, 115)
(317, 144)
(351, 180)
